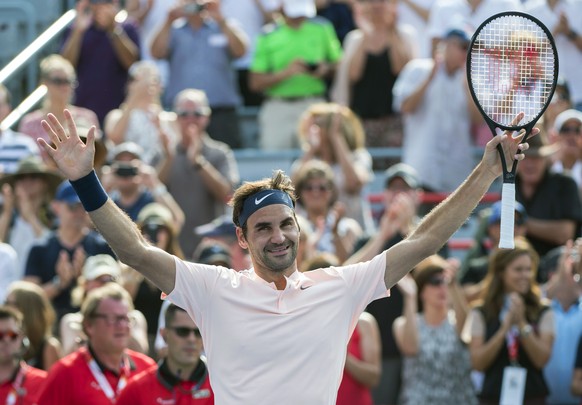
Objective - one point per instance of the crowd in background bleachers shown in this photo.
(166, 83)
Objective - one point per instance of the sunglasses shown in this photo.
(571, 130)
(436, 281)
(184, 332)
(58, 81)
(10, 334)
(112, 320)
(190, 114)
(320, 187)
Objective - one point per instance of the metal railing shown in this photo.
(22, 60)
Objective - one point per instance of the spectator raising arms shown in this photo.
(333, 134)
(101, 49)
(436, 366)
(60, 79)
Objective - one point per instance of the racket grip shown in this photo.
(506, 235)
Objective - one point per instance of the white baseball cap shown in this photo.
(299, 8)
(99, 265)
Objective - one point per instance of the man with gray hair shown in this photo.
(200, 172)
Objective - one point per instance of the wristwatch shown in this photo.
(526, 330)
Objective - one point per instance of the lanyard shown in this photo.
(104, 384)
(512, 345)
(17, 391)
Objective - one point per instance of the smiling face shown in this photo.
(272, 237)
(517, 276)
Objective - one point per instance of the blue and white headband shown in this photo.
(261, 199)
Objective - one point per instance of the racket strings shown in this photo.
(512, 69)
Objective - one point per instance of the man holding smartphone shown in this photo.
(101, 49)
(294, 77)
(200, 45)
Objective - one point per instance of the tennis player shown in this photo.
(272, 335)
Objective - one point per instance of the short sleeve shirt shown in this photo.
(314, 42)
(255, 333)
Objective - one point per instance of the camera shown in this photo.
(312, 66)
(193, 8)
(150, 231)
(123, 169)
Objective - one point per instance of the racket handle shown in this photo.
(506, 236)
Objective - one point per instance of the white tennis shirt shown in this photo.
(267, 346)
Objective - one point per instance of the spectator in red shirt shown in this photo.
(182, 377)
(96, 374)
(19, 383)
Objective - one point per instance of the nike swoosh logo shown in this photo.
(305, 287)
(260, 200)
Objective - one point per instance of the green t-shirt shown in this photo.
(314, 41)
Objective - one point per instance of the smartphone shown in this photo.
(312, 66)
(123, 169)
(193, 8)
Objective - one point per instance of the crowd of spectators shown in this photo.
(163, 82)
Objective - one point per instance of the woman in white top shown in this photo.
(141, 118)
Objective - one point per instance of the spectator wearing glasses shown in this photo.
(567, 132)
(60, 79)
(317, 193)
(97, 373)
(98, 271)
(56, 262)
(133, 184)
(38, 323)
(436, 366)
(19, 382)
(182, 376)
(198, 163)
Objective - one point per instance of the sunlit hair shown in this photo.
(7, 312)
(112, 291)
(492, 297)
(319, 261)
(196, 96)
(148, 70)
(278, 181)
(56, 62)
(38, 315)
(315, 169)
(350, 126)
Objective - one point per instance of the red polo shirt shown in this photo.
(24, 387)
(72, 380)
(156, 386)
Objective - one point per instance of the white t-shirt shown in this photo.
(437, 140)
(446, 14)
(407, 15)
(269, 346)
(570, 57)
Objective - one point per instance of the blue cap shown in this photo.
(460, 33)
(495, 215)
(67, 194)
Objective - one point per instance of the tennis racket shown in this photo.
(512, 67)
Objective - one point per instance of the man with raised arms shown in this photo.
(269, 330)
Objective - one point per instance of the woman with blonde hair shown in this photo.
(512, 325)
(38, 323)
(141, 118)
(60, 79)
(334, 134)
